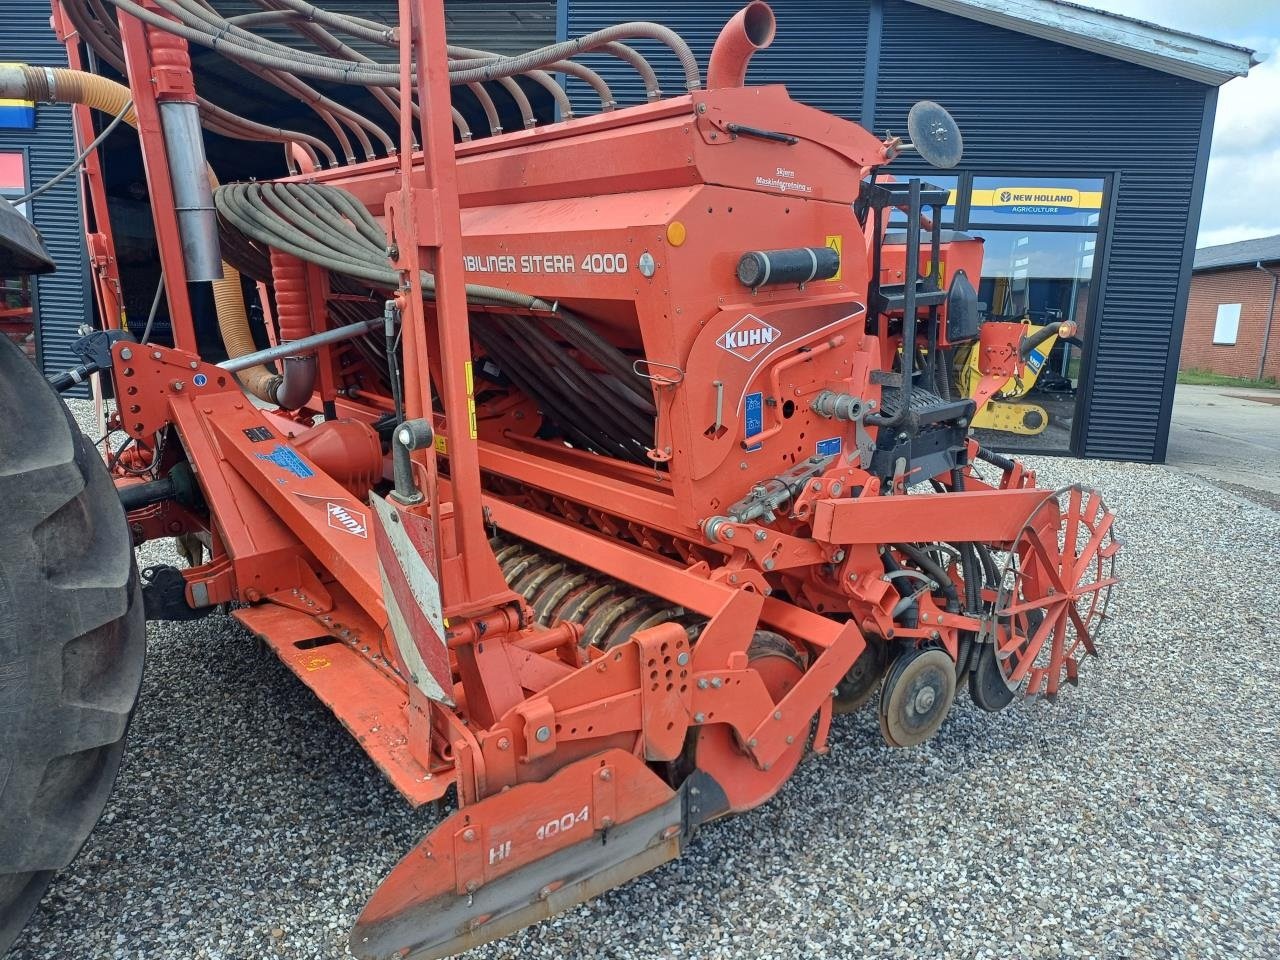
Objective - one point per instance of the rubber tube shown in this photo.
(242, 46)
(106, 44)
(62, 85)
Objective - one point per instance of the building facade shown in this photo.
(1086, 139)
(36, 142)
(1104, 121)
(1231, 326)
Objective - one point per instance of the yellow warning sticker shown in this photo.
(442, 444)
(836, 243)
(471, 400)
(942, 272)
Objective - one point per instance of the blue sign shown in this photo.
(829, 447)
(286, 459)
(754, 419)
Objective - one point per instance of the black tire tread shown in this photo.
(72, 637)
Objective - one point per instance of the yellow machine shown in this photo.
(1004, 412)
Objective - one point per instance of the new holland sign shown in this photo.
(1037, 199)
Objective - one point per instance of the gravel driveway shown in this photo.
(1136, 817)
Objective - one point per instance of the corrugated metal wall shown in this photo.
(62, 302)
(1026, 106)
(1033, 107)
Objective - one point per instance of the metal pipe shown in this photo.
(192, 195)
(1271, 315)
(751, 29)
(297, 347)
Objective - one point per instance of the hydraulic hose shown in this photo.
(99, 33)
(61, 85)
(194, 26)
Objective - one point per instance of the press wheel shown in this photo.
(916, 696)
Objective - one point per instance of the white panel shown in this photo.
(1227, 325)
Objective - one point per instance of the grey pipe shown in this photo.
(192, 194)
(297, 378)
(1271, 315)
(295, 348)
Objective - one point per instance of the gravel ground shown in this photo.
(1137, 816)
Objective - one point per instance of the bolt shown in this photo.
(717, 683)
(126, 354)
(761, 535)
(816, 486)
(194, 365)
(791, 740)
(752, 742)
(504, 743)
(728, 533)
(543, 734)
(838, 556)
(777, 714)
(702, 684)
(853, 576)
(699, 718)
(702, 108)
(768, 564)
(544, 893)
(468, 835)
(156, 355)
(924, 700)
(606, 774)
(836, 489)
(177, 386)
(682, 659)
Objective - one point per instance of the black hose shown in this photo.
(929, 566)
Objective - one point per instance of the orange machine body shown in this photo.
(620, 638)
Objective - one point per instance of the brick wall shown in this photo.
(1249, 287)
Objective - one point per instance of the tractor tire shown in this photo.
(72, 637)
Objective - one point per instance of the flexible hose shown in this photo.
(243, 46)
(61, 85)
(329, 227)
(99, 32)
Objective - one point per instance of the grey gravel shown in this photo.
(1137, 816)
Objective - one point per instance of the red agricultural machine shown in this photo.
(587, 468)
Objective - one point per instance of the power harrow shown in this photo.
(587, 468)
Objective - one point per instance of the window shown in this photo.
(947, 182)
(1227, 326)
(1041, 239)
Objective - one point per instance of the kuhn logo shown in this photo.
(352, 521)
(747, 338)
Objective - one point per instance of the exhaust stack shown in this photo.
(752, 28)
(192, 194)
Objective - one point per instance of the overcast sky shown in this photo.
(1244, 165)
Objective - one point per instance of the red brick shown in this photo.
(1249, 287)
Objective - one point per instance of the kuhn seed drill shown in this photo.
(588, 468)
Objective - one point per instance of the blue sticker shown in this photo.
(829, 447)
(754, 419)
(199, 379)
(286, 459)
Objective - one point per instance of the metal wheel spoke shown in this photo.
(1056, 591)
(1033, 648)
(1095, 542)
